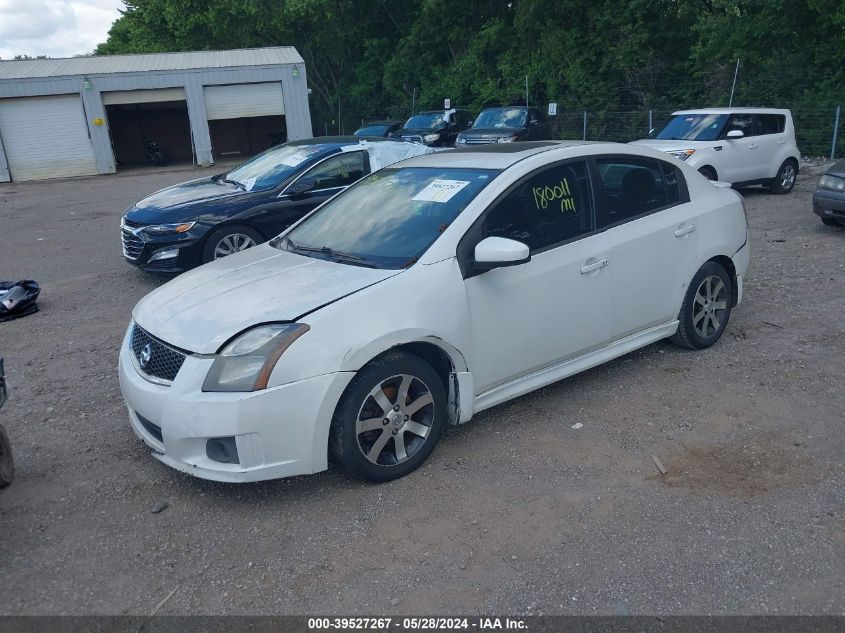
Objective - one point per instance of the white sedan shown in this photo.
(429, 291)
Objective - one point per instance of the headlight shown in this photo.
(430, 138)
(506, 139)
(460, 139)
(245, 364)
(682, 154)
(166, 229)
(834, 183)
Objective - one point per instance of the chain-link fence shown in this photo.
(819, 131)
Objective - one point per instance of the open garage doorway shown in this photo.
(244, 119)
(137, 117)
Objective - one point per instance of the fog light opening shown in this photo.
(223, 450)
(168, 253)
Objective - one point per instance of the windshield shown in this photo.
(389, 219)
(693, 127)
(372, 130)
(268, 169)
(509, 117)
(425, 121)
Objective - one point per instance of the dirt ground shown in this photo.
(516, 512)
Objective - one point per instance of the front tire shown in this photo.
(706, 308)
(229, 240)
(830, 222)
(785, 179)
(390, 418)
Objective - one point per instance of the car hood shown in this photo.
(183, 196)
(202, 309)
(674, 146)
(420, 131)
(837, 169)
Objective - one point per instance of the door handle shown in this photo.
(685, 230)
(588, 268)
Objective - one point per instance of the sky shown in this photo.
(56, 28)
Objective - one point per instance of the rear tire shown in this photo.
(390, 418)
(706, 308)
(229, 240)
(708, 172)
(785, 179)
(7, 462)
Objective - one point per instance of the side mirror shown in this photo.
(302, 186)
(470, 123)
(735, 134)
(496, 252)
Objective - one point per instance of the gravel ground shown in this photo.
(515, 512)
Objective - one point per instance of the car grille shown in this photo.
(411, 138)
(132, 244)
(160, 360)
(480, 140)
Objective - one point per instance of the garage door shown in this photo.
(157, 95)
(243, 100)
(46, 137)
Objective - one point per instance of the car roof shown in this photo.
(746, 110)
(499, 155)
(336, 142)
(368, 123)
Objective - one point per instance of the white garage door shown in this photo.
(243, 100)
(156, 95)
(46, 137)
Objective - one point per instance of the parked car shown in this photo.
(7, 461)
(195, 222)
(505, 125)
(435, 128)
(829, 198)
(379, 128)
(742, 146)
(429, 291)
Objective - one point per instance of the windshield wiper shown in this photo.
(234, 182)
(332, 254)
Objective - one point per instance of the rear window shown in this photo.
(769, 123)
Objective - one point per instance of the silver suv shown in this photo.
(742, 146)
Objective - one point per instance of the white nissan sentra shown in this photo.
(429, 291)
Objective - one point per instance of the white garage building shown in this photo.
(94, 115)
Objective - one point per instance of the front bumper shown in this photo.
(279, 432)
(139, 248)
(829, 205)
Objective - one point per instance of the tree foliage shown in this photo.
(372, 57)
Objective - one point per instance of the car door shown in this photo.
(651, 227)
(738, 155)
(316, 185)
(555, 306)
(771, 141)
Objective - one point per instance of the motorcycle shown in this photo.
(7, 463)
(154, 154)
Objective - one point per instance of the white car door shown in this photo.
(652, 238)
(557, 305)
(737, 157)
(770, 138)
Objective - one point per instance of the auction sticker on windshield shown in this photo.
(295, 159)
(440, 190)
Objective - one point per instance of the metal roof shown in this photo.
(109, 64)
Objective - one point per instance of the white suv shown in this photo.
(742, 146)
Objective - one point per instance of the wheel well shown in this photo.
(711, 169)
(431, 354)
(728, 264)
(796, 162)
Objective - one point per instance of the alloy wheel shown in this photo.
(395, 420)
(708, 309)
(787, 179)
(233, 243)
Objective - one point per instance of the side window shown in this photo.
(633, 186)
(550, 207)
(338, 171)
(742, 122)
(769, 123)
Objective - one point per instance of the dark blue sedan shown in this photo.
(196, 222)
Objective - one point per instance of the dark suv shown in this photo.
(503, 125)
(435, 128)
